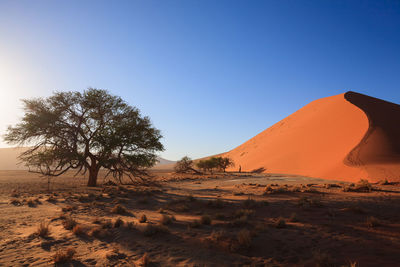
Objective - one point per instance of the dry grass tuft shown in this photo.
(195, 224)
(15, 201)
(119, 209)
(32, 201)
(250, 203)
(321, 259)
(63, 256)
(98, 232)
(143, 218)
(43, 229)
(373, 222)
(280, 223)
(69, 223)
(244, 238)
(205, 219)
(293, 217)
(118, 222)
(151, 230)
(79, 230)
(145, 260)
(362, 186)
(218, 203)
(166, 219)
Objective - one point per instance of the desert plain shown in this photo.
(219, 219)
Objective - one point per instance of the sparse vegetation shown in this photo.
(79, 230)
(118, 223)
(43, 229)
(64, 255)
(69, 223)
(119, 209)
(166, 219)
(244, 238)
(373, 222)
(143, 218)
(280, 223)
(205, 219)
(151, 230)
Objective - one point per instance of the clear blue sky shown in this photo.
(210, 74)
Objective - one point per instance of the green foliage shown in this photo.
(85, 131)
(210, 164)
(184, 165)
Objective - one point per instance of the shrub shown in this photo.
(205, 219)
(98, 232)
(43, 229)
(241, 221)
(218, 203)
(32, 202)
(79, 230)
(143, 218)
(15, 202)
(145, 260)
(118, 222)
(151, 230)
(195, 224)
(293, 217)
(165, 219)
(63, 256)
(119, 209)
(243, 212)
(130, 225)
(244, 238)
(218, 235)
(280, 223)
(107, 224)
(250, 203)
(373, 222)
(69, 223)
(322, 259)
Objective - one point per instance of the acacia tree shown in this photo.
(85, 132)
(225, 162)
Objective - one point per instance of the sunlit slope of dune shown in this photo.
(345, 137)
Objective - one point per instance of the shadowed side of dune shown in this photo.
(379, 150)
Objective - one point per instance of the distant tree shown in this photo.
(202, 165)
(85, 131)
(184, 165)
(224, 162)
(208, 164)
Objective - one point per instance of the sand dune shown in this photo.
(345, 137)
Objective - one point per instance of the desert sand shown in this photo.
(345, 137)
(223, 219)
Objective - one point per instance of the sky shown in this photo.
(210, 74)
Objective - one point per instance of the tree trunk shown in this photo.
(93, 172)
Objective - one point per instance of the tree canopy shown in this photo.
(85, 132)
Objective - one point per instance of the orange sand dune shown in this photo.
(344, 137)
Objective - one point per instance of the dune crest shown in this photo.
(344, 137)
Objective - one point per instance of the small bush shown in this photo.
(79, 230)
(107, 224)
(151, 230)
(119, 209)
(63, 256)
(98, 232)
(118, 222)
(250, 203)
(243, 212)
(166, 219)
(51, 199)
(145, 260)
(143, 218)
(218, 235)
(15, 202)
(205, 219)
(195, 224)
(322, 259)
(218, 203)
(280, 223)
(241, 221)
(69, 223)
(293, 217)
(373, 222)
(130, 225)
(43, 229)
(32, 202)
(244, 238)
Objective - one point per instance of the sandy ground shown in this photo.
(211, 220)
